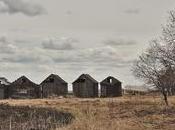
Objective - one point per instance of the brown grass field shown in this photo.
(123, 113)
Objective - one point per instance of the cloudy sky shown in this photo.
(71, 37)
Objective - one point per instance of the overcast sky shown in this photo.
(71, 37)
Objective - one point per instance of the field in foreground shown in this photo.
(124, 113)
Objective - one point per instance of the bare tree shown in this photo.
(149, 68)
(156, 66)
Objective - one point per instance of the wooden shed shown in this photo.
(4, 85)
(23, 88)
(85, 86)
(54, 85)
(111, 87)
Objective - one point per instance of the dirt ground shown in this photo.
(121, 113)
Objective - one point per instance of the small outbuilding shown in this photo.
(85, 86)
(4, 85)
(54, 85)
(23, 88)
(111, 87)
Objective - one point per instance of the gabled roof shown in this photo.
(86, 76)
(106, 80)
(22, 81)
(56, 77)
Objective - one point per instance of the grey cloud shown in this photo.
(21, 6)
(6, 46)
(21, 41)
(102, 56)
(132, 11)
(3, 39)
(120, 42)
(105, 57)
(25, 57)
(21, 59)
(105, 66)
(59, 44)
(69, 12)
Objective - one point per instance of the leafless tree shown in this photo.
(156, 66)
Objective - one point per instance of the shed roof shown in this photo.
(23, 80)
(86, 76)
(58, 78)
(106, 80)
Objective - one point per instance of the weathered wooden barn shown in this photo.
(111, 87)
(85, 86)
(54, 85)
(4, 86)
(23, 88)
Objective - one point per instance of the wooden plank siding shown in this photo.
(53, 85)
(111, 87)
(85, 87)
(23, 88)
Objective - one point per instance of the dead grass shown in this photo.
(124, 113)
(32, 118)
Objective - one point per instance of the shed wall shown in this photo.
(85, 89)
(25, 91)
(50, 89)
(2, 96)
(108, 90)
